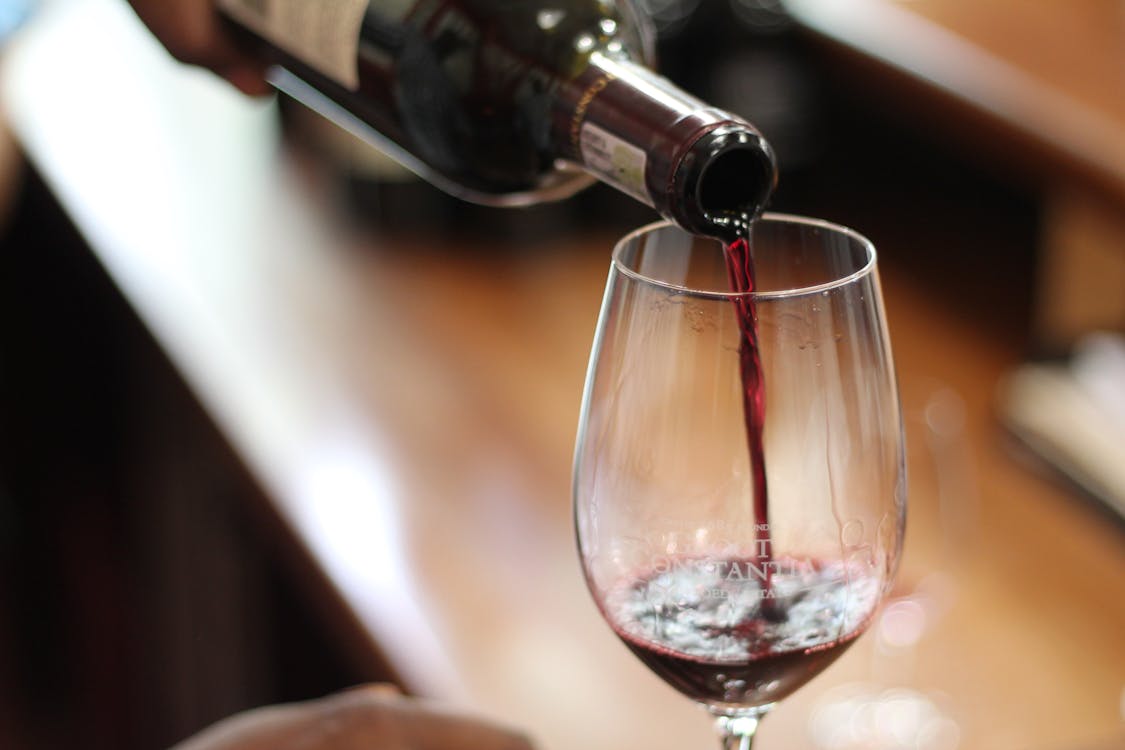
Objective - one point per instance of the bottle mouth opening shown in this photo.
(736, 185)
(729, 179)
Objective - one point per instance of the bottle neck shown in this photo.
(701, 167)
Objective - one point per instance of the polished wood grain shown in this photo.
(409, 407)
(1050, 74)
(1035, 89)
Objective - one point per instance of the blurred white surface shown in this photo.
(1073, 415)
(178, 184)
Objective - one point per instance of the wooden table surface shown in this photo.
(1035, 90)
(409, 408)
(1050, 75)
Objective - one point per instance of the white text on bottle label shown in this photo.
(323, 35)
(616, 161)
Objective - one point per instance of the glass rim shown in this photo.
(866, 269)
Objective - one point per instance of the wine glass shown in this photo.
(739, 481)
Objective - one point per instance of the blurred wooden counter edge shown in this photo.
(443, 531)
(1032, 88)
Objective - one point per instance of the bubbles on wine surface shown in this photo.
(723, 611)
(733, 633)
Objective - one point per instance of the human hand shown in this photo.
(368, 718)
(193, 32)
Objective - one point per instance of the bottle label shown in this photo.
(614, 160)
(323, 35)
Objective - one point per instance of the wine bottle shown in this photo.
(513, 102)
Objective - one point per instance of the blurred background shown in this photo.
(277, 417)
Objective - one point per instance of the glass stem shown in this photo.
(737, 732)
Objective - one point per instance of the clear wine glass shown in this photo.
(733, 598)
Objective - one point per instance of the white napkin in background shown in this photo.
(1073, 415)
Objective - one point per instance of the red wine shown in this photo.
(740, 272)
(700, 624)
(515, 101)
